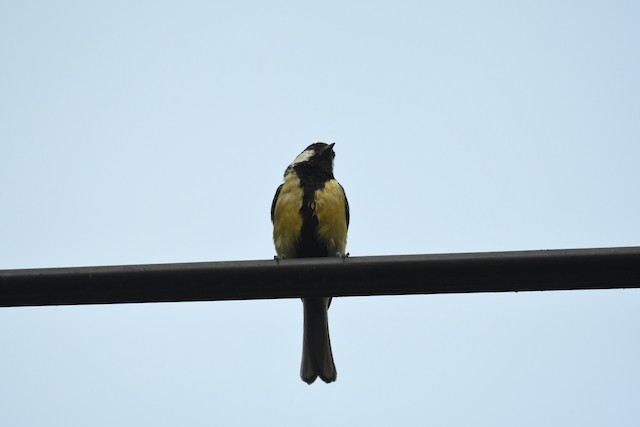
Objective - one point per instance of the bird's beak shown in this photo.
(329, 147)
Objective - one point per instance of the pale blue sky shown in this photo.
(153, 132)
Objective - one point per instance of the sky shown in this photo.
(157, 132)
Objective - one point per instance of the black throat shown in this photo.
(311, 179)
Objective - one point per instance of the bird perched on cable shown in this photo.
(310, 216)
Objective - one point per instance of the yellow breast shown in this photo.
(287, 221)
(329, 207)
(331, 210)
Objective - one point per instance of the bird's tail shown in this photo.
(317, 359)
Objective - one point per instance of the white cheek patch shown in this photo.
(303, 157)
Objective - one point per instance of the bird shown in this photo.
(310, 216)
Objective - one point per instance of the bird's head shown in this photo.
(317, 157)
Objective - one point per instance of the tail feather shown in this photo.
(317, 358)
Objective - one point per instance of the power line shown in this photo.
(544, 270)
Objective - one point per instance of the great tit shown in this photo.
(310, 216)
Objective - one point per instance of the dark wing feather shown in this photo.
(346, 204)
(275, 198)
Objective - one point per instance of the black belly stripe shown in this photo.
(309, 245)
(311, 180)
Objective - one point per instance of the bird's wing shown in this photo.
(275, 199)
